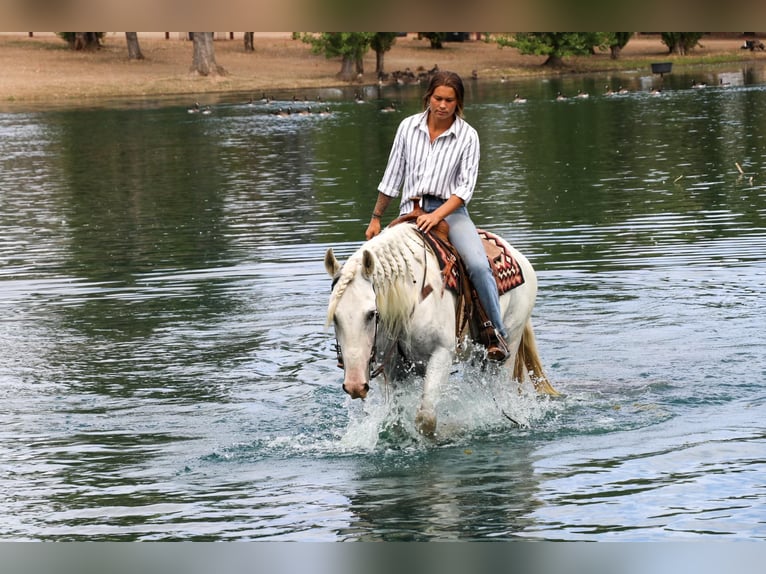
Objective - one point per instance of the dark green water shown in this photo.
(165, 372)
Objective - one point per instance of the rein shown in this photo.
(374, 371)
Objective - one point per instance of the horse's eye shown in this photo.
(371, 316)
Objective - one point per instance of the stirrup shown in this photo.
(497, 348)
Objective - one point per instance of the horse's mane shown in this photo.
(397, 252)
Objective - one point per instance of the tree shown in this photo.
(617, 41)
(203, 58)
(249, 47)
(436, 38)
(350, 46)
(82, 40)
(555, 45)
(382, 42)
(134, 50)
(680, 43)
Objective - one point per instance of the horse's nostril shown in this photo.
(345, 390)
(366, 388)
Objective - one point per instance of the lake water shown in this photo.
(165, 372)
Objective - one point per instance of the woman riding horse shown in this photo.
(435, 160)
(394, 315)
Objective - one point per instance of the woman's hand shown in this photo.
(380, 208)
(373, 228)
(428, 221)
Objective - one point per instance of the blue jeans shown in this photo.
(465, 238)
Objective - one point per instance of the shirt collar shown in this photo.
(453, 130)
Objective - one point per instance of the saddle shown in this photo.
(471, 318)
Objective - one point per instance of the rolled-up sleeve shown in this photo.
(466, 177)
(393, 176)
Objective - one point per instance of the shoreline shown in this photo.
(42, 70)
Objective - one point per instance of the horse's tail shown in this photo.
(528, 358)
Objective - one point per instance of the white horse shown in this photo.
(389, 304)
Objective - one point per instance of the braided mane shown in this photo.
(398, 252)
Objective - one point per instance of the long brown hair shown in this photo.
(451, 80)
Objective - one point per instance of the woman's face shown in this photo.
(443, 102)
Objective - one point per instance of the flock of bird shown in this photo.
(202, 110)
(407, 76)
(296, 106)
(293, 107)
(608, 91)
(301, 106)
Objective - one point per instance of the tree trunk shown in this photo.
(614, 52)
(249, 47)
(379, 62)
(203, 60)
(554, 61)
(347, 68)
(80, 40)
(359, 65)
(134, 50)
(86, 41)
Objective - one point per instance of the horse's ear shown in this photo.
(330, 263)
(368, 264)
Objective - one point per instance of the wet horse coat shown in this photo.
(381, 310)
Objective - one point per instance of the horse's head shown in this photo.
(353, 312)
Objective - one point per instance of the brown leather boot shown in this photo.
(497, 349)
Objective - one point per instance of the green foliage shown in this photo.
(681, 42)
(619, 39)
(556, 45)
(383, 41)
(350, 46)
(334, 44)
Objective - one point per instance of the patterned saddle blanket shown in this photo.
(506, 269)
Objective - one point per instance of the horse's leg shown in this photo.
(437, 372)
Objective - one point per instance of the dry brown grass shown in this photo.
(43, 69)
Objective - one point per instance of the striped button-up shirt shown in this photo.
(447, 166)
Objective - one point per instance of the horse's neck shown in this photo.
(397, 254)
(405, 266)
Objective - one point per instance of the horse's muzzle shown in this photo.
(357, 393)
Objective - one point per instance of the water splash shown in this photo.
(476, 402)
